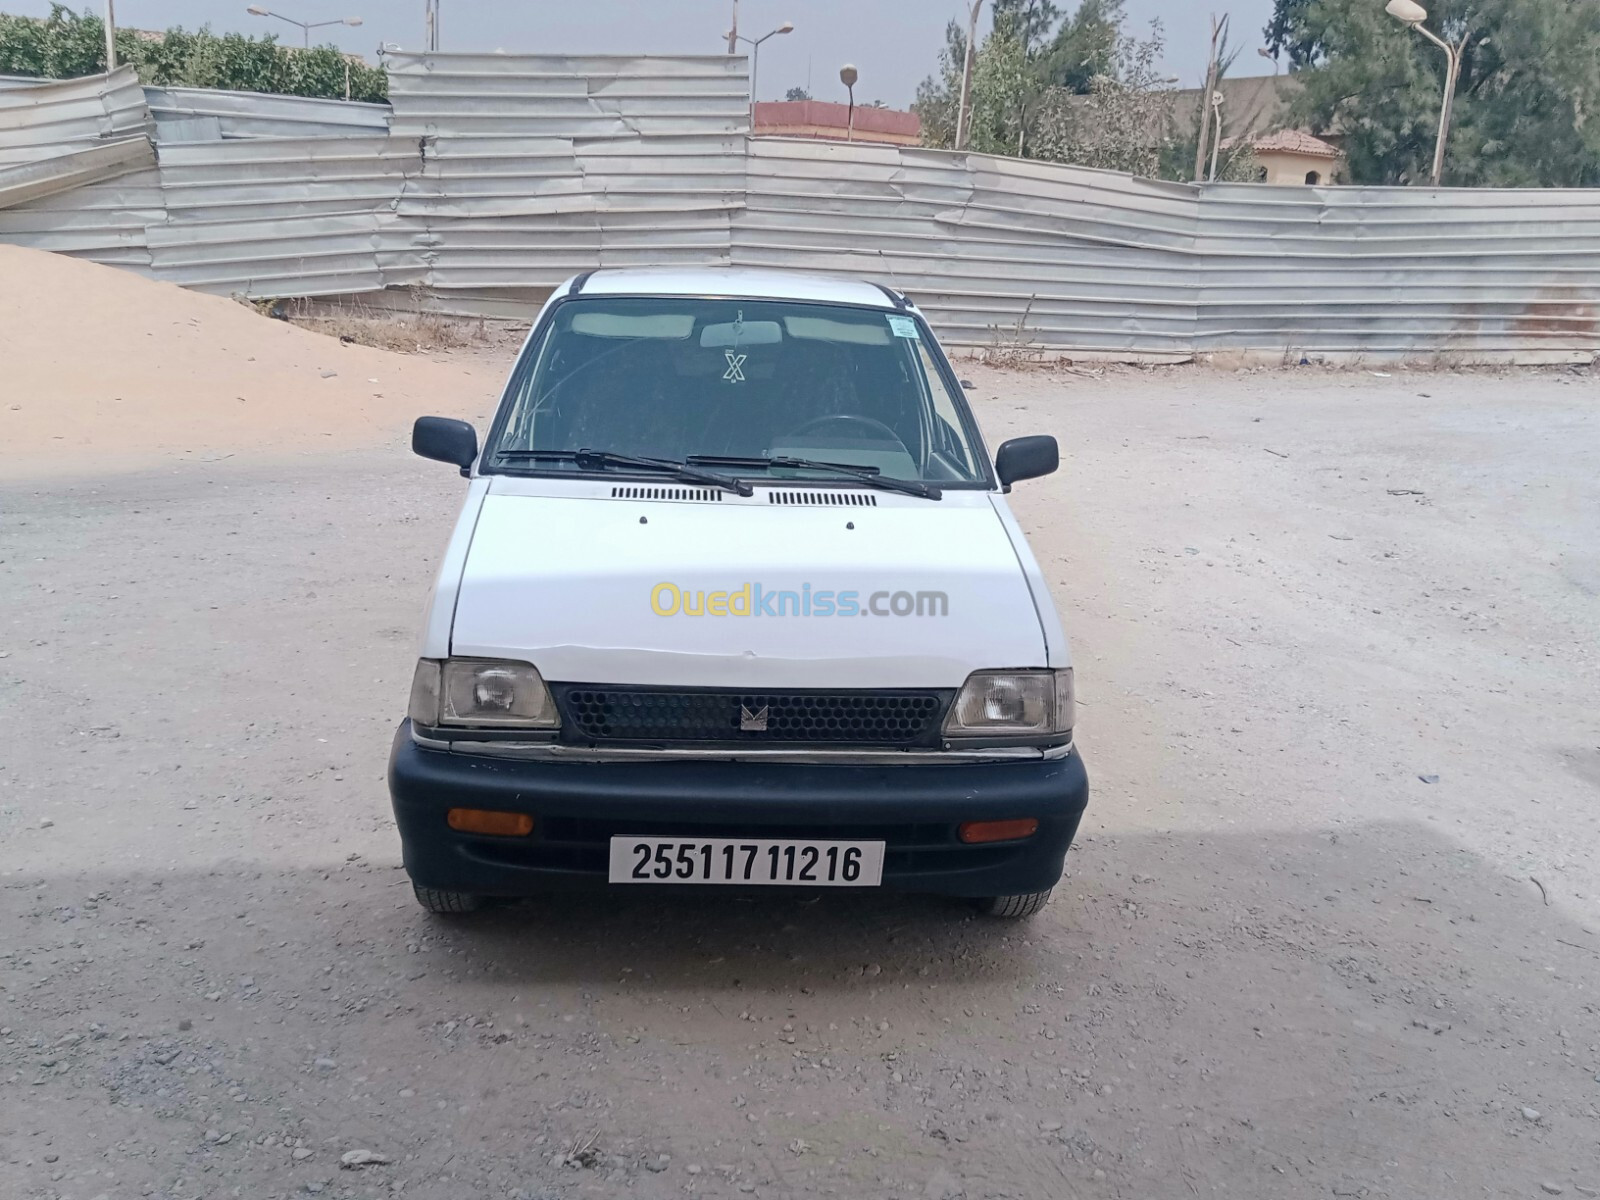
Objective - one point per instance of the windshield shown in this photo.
(684, 379)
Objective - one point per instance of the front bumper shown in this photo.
(578, 807)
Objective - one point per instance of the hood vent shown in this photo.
(702, 495)
(825, 499)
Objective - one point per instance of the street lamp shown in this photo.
(964, 110)
(430, 24)
(848, 76)
(111, 38)
(1409, 12)
(755, 59)
(255, 10)
(1216, 146)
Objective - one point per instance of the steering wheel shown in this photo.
(875, 426)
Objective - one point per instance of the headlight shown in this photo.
(485, 693)
(1013, 704)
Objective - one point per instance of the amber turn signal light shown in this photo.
(977, 832)
(480, 820)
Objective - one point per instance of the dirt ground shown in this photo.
(1331, 929)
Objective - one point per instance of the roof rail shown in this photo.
(895, 297)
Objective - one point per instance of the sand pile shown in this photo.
(101, 368)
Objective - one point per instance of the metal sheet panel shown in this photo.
(533, 95)
(285, 216)
(208, 114)
(526, 176)
(285, 178)
(328, 255)
(520, 212)
(103, 222)
(1394, 272)
(506, 174)
(53, 116)
(44, 177)
(998, 252)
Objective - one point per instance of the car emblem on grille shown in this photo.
(753, 722)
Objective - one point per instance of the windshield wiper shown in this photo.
(594, 460)
(871, 476)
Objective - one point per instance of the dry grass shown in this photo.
(408, 333)
(354, 323)
(1012, 347)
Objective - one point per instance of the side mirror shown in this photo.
(1026, 458)
(444, 440)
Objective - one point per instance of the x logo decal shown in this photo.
(735, 371)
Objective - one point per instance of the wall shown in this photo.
(1284, 168)
(826, 120)
(491, 178)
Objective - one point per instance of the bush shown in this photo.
(67, 45)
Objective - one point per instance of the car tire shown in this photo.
(1014, 907)
(436, 901)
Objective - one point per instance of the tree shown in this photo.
(797, 93)
(1282, 38)
(1030, 51)
(1003, 83)
(1530, 79)
(1086, 47)
(1025, 26)
(1030, 20)
(1123, 123)
(939, 95)
(66, 45)
(1235, 158)
(1128, 122)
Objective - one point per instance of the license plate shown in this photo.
(746, 862)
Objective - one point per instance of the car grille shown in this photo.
(593, 715)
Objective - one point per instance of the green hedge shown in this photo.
(66, 45)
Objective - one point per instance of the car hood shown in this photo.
(574, 585)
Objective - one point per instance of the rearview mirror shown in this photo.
(444, 440)
(738, 334)
(1026, 458)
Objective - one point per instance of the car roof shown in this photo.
(743, 283)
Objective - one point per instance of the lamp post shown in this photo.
(111, 38)
(963, 110)
(755, 58)
(430, 25)
(1219, 30)
(306, 27)
(1409, 12)
(1216, 144)
(848, 76)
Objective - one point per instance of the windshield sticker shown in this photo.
(904, 327)
(735, 371)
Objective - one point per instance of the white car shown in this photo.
(736, 600)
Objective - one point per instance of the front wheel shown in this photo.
(436, 901)
(1014, 907)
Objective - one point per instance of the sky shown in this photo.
(893, 43)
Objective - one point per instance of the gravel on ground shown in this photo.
(1331, 929)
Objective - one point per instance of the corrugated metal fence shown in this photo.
(494, 177)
